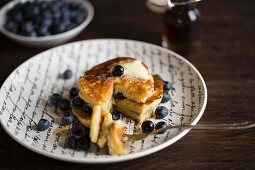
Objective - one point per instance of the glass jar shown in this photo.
(181, 27)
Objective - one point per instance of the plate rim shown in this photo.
(111, 159)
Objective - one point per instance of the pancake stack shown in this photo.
(125, 84)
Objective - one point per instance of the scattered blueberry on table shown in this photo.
(67, 74)
(161, 112)
(67, 119)
(44, 18)
(147, 126)
(117, 70)
(43, 124)
(74, 91)
(160, 125)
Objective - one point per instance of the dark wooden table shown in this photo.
(226, 59)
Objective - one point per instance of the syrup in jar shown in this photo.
(181, 27)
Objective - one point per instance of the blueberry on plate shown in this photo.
(64, 104)
(77, 101)
(67, 119)
(119, 96)
(55, 98)
(166, 97)
(77, 129)
(67, 74)
(147, 126)
(161, 112)
(87, 109)
(43, 124)
(83, 142)
(71, 142)
(167, 86)
(117, 70)
(116, 115)
(86, 131)
(74, 92)
(160, 125)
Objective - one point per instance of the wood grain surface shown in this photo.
(225, 58)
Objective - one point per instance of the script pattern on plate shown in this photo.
(24, 95)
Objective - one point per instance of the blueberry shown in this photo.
(43, 124)
(79, 19)
(73, 14)
(71, 26)
(30, 34)
(67, 119)
(116, 115)
(161, 112)
(160, 125)
(86, 131)
(118, 70)
(67, 74)
(83, 142)
(56, 15)
(54, 99)
(166, 97)
(167, 86)
(87, 109)
(27, 6)
(44, 5)
(119, 96)
(43, 31)
(58, 28)
(27, 27)
(46, 22)
(74, 92)
(77, 101)
(147, 126)
(71, 142)
(64, 104)
(35, 11)
(11, 26)
(77, 129)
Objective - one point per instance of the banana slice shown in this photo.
(107, 122)
(115, 138)
(95, 123)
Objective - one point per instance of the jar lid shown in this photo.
(180, 2)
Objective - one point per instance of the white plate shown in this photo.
(24, 96)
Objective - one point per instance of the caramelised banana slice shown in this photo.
(115, 138)
(95, 123)
(106, 123)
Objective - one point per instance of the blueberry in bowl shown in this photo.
(44, 23)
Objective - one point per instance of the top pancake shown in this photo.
(98, 84)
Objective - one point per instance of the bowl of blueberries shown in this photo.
(44, 23)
